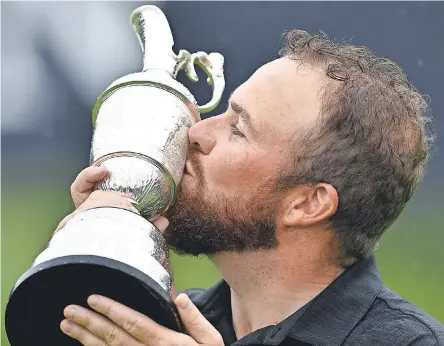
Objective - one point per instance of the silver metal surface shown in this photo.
(141, 137)
(104, 232)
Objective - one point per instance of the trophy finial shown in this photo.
(155, 37)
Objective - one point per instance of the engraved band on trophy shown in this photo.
(140, 135)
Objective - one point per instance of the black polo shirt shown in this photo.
(356, 309)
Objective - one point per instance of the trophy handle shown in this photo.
(212, 64)
(155, 37)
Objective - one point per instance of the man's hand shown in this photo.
(114, 324)
(99, 199)
(84, 183)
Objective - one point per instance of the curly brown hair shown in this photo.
(373, 141)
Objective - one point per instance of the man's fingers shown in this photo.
(82, 186)
(100, 198)
(99, 326)
(134, 323)
(81, 334)
(196, 324)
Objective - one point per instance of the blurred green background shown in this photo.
(410, 256)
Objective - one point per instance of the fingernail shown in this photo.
(184, 301)
(66, 326)
(93, 301)
(70, 312)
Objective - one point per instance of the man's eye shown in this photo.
(235, 131)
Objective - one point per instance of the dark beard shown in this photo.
(196, 228)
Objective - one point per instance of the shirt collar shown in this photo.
(333, 314)
(326, 320)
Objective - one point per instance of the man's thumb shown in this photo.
(196, 324)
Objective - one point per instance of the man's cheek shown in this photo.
(230, 177)
(229, 168)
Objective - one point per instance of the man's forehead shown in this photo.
(281, 96)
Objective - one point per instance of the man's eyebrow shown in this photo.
(244, 115)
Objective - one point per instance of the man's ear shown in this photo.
(308, 205)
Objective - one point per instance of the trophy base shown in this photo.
(36, 304)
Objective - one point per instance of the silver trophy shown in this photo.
(140, 135)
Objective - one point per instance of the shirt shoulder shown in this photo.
(392, 320)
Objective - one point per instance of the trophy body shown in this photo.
(140, 135)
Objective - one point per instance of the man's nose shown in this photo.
(201, 135)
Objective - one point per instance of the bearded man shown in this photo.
(288, 192)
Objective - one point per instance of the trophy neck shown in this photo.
(155, 38)
(160, 63)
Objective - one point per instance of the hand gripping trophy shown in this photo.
(140, 135)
